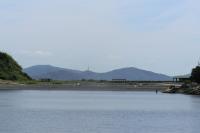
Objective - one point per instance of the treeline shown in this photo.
(195, 76)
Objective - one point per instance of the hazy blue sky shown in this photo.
(157, 35)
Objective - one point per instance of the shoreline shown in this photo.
(87, 87)
(188, 90)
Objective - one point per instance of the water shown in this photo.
(98, 112)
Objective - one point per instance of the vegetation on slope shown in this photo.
(196, 74)
(10, 69)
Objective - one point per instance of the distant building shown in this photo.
(119, 80)
(45, 80)
(182, 78)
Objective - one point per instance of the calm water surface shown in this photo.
(98, 112)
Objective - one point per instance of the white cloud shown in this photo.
(36, 53)
(43, 53)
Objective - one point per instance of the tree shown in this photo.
(10, 69)
(196, 74)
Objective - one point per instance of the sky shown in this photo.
(157, 35)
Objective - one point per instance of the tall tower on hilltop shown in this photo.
(88, 69)
(199, 62)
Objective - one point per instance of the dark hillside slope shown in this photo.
(10, 69)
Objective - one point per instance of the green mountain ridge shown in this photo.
(10, 69)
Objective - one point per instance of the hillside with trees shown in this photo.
(196, 74)
(10, 69)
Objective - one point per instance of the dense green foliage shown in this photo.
(10, 69)
(196, 74)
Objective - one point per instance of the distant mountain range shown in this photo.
(56, 73)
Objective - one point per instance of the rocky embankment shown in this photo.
(185, 89)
